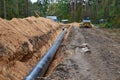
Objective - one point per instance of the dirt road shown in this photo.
(95, 55)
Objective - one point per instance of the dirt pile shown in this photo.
(22, 43)
(75, 24)
(95, 56)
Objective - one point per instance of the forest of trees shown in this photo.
(14, 8)
(73, 10)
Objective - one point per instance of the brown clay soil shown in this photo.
(22, 43)
(94, 55)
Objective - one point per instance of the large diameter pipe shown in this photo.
(42, 65)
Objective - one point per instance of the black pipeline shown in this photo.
(42, 65)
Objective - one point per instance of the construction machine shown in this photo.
(86, 23)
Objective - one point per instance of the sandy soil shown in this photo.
(95, 55)
(22, 43)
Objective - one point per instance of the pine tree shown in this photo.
(5, 13)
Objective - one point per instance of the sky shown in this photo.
(33, 1)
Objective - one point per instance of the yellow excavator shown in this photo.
(86, 23)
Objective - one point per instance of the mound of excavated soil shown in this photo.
(75, 24)
(22, 43)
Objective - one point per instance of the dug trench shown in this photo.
(23, 42)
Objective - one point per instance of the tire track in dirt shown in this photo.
(105, 54)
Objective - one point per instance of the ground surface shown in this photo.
(85, 54)
(95, 55)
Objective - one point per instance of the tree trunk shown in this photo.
(4, 6)
(75, 6)
(106, 9)
(27, 8)
(72, 11)
(97, 9)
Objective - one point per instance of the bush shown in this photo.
(108, 25)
